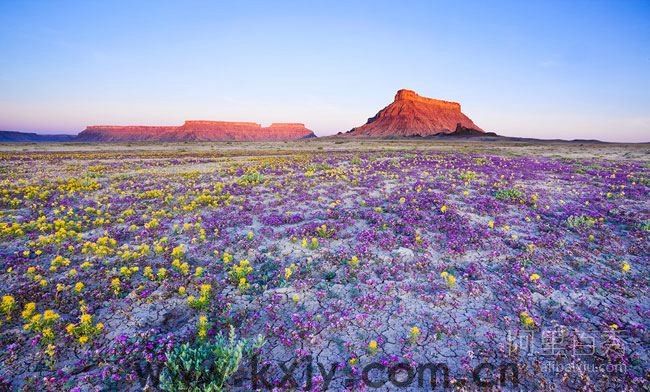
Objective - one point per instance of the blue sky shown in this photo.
(570, 69)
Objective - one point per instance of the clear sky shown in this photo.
(570, 69)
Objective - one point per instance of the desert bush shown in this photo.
(582, 221)
(645, 225)
(205, 366)
(511, 194)
(251, 178)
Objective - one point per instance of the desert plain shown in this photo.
(531, 257)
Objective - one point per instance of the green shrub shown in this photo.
(468, 175)
(582, 221)
(511, 194)
(205, 366)
(251, 178)
(645, 225)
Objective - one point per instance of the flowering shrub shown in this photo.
(582, 221)
(509, 194)
(7, 306)
(203, 300)
(86, 329)
(239, 274)
(526, 320)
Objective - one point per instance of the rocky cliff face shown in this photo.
(196, 131)
(413, 115)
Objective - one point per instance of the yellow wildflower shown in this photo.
(526, 320)
(86, 318)
(372, 346)
(28, 310)
(116, 285)
(7, 305)
(414, 334)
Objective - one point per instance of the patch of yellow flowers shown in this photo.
(104, 246)
(288, 272)
(7, 306)
(203, 301)
(85, 330)
(313, 244)
(59, 261)
(116, 286)
(41, 323)
(526, 320)
(239, 273)
(449, 279)
(202, 327)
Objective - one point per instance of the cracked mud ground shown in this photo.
(450, 254)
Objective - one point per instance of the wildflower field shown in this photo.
(114, 259)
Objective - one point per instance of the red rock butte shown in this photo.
(196, 131)
(413, 115)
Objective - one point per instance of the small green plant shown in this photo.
(645, 225)
(203, 301)
(468, 175)
(582, 221)
(239, 274)
(480, 161)
(324, 232)
(511, 194)
(313, 244)
(205, 366)
(251, 178)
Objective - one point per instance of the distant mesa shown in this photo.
(29, 137)
(199, 131)
(409, 115)
(413, 115)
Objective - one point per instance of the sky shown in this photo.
(545, 69)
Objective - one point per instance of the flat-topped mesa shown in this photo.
(197, 130)
(288, 125)
(410, 95)
(219, 125)
(129, 128)
(412, 115)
